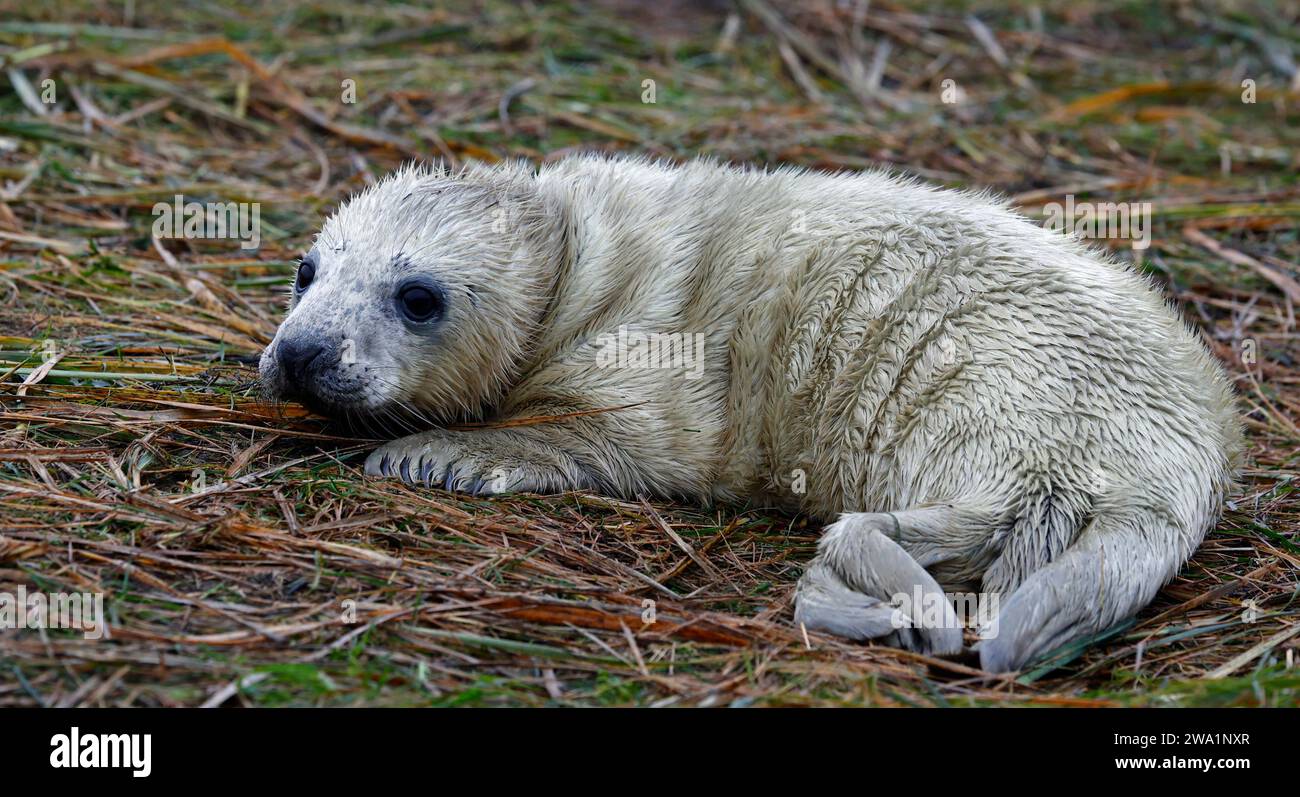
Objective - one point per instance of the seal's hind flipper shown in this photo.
(862, 584)
(1112, 570)
(826, 603)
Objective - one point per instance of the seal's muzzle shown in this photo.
(302, 359)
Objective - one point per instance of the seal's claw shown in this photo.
(377, 463)
(426, 472)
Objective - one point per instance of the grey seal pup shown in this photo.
(973, 402)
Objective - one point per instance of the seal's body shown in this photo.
(983, 404)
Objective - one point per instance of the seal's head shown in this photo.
(418, 299)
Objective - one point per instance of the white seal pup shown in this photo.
(975, 401)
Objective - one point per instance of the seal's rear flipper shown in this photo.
(864, 585)
(1108, 574)
(826, 603)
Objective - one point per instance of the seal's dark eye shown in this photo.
(419, 303)
(306, 273)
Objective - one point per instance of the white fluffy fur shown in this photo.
(983, 404)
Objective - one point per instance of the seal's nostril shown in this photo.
(297, 356)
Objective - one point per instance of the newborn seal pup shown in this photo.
(975, 401)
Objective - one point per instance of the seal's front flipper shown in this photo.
(480, 462)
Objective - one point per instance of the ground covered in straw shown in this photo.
(246, 561)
